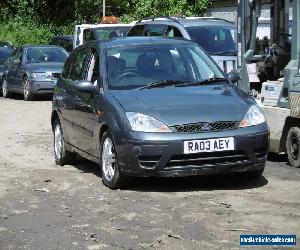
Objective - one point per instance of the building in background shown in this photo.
(226, 9)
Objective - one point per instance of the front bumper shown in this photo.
(161, 154)
(42, 86)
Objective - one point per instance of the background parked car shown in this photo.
(216, 36)
(65, 41)
(89, 32)
(5, 51)
(33, 70)
(154, 107)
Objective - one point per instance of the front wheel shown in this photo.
(111, 175)
(293, 146)
(28, 96)
(5, 92)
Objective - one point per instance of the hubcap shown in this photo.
(57, 142)
(295, 148)
(26, 88)
(108, 159)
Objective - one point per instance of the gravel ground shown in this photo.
(43, 206)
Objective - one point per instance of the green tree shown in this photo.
(36, 21)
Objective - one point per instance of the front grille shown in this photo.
(55, 75)
(205, 127)
(208, 159)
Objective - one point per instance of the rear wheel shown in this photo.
(62, 156)
(28, 96)
(111, 175)
(293, 146)
(5, 92)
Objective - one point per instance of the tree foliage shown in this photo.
(36, 21)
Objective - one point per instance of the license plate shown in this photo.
(209, 145)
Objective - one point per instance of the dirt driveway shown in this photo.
(43, 206)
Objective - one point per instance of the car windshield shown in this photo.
(46, 54)
(136, 66)
(214, 39)
(4, 54)
(105, 33)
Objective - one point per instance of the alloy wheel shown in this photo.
(108, 159)
(26, 89)
(4, 87)
(57, 141)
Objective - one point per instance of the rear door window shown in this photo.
(155, 30)
(172, 31)
(66, 68)
(78, 64)
(137, 30)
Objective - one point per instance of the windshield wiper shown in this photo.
(204, 82)
(225, 53)
(164, 83)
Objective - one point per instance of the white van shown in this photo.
(88, 32)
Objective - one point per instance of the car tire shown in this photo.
(28, 96)
(5, 91)
(62, 155)
(293, 146)
(111, 175)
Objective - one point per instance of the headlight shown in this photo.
(254, 116)
(41, 75)
(145, 123)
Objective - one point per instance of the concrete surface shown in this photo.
(43, 206)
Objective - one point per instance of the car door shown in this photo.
(85, 119)
(19, 71)
(11, 68)
(63, 98)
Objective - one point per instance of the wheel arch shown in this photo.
(289, 122)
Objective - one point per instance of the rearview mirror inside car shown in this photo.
(233, 76)
(84, 86)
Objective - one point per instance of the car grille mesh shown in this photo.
(205, 127)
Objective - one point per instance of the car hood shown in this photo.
(183, 105)
(44, 67)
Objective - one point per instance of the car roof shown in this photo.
(143, 40)
(190, 21)
(40, 46)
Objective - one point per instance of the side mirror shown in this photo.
(85, 86)
(233, 76)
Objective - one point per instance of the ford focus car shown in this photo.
(32, 70)
(144, 106)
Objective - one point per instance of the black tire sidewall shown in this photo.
(294, 131)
